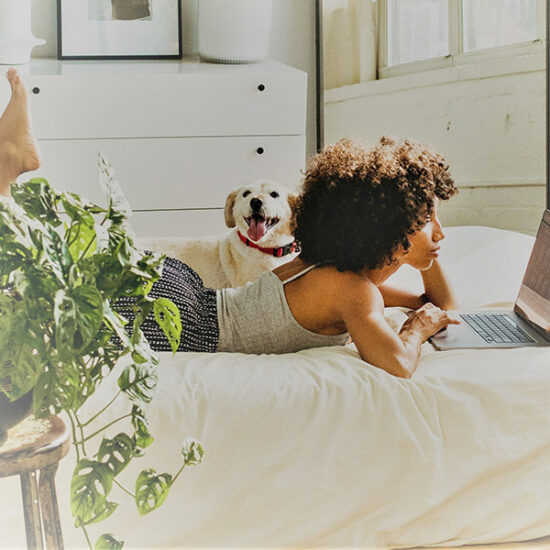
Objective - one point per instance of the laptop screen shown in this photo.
(533, 302)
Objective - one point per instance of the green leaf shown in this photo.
(168, 318)
(81, 237)
(103, 511)
(142, 435)
(141, 350)
(44, 394)
(77, 208)
(118, 204)
(142, 308)
(26, 370)
(116, 324)
(108, 542)
(78, 317)
(20, 363)
(6, 320)
(38, 199)
(192, 452)
(61, 386)
(89, 305)
(90, 485)
(21, 348)
(151, 490)
(102, 236)
(118, 452)
(139, 381)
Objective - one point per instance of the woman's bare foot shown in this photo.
(18, 147)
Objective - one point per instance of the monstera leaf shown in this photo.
(151, 490)
(91, 483)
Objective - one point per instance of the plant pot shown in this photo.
(234, 31)
(16, 38)
(13, 412)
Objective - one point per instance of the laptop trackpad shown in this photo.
(457, 336)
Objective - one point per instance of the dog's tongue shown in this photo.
(256, 230)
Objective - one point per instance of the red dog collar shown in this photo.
(277, 251)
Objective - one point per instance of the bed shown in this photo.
(318, 449)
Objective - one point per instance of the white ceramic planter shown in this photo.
(16, 38)
(234, 31)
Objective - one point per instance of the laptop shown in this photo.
(528, 324)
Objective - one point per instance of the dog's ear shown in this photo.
(293, 203)
(228, 211)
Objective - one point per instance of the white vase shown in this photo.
(16, 38)
(234, 31)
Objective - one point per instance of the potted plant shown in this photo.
(65, 262)
(234, 31)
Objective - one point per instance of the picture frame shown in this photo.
(119, 29)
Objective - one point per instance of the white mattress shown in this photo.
(320, 449)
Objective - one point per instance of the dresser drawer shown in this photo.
(248, 100)
(176, 173)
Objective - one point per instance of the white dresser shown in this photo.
(181, 135)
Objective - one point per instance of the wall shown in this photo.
(487, 119)
(292, 40)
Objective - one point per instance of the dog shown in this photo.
(259, 216)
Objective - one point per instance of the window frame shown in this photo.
(456, 56)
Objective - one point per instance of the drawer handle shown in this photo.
(261, 87)
(260, 150)
(36, 90)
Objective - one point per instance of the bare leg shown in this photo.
(18, 147)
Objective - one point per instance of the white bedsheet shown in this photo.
(319, 449)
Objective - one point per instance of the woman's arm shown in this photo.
(437, 290)
(363, 314)
(437, 287)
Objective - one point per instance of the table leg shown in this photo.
(50, 510)
(31, 506)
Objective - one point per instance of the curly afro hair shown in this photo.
(359, 204)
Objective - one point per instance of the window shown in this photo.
(427, 34)
(491, 23)
(417, 30)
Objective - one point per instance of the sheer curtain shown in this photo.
(349, 42)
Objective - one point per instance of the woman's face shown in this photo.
(424, 243)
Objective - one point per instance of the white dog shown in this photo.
(259, 214)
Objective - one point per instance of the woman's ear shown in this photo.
(228, 210)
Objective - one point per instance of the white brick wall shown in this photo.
(518, 208)
(488, 120)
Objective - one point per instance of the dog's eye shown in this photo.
(246, 193)
(274, 194)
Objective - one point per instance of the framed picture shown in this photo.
(119, 29)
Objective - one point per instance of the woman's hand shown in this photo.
(426, 321)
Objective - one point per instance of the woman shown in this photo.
(362, 214)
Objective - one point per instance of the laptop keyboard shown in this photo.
(497, 327)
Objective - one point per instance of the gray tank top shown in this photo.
(255, 318)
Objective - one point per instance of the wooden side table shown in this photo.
(32, 451)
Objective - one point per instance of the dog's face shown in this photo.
(261, 211)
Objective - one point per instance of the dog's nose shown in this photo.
(255, 204)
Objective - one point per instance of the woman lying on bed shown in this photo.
(362, 214)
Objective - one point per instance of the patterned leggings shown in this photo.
(197, 306)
